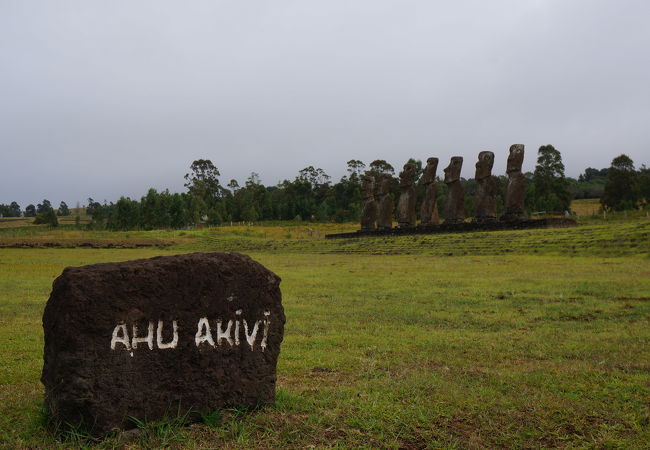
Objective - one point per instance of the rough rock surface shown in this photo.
(516, 185)
(429, 208)
(455, 207)
(369, 212)
(385, 218)
(111, 353)
(406, 217)
(463, 227)
(485, 201)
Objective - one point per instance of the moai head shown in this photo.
(429, 175)
(367, 187)
(484, 165)
(384, 187)
(452, 171)
(516, 158)
(407, 176)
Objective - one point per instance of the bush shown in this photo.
(47, 217)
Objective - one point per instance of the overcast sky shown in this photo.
(109, 98)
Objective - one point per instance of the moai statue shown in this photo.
(385, 219)
(455, 207)
(369, 213)
(429, 208)
(406, 205)
(485, 201)
(516, 185)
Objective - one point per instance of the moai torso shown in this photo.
(486, 189)
(429, 208)
(406, 205)
(369, 213)
(516, 184)
(385, 219)
(455, 207)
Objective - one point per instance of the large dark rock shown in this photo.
(146, 338)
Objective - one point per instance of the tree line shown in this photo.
(312, 195)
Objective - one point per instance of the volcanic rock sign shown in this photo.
(385, 219)
(406, 205)
(516, 185)
(369, 213)
(429, 208)
(145, 338)
(455, 207)
(485, 203)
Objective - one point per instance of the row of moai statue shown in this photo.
(379, 214)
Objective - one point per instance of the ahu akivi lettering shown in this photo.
(214, 333)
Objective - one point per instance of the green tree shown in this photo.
(315, 177)
(192, 208)
(100, 214)
(177, 213)
(15, 209)
(591, 174)
(345, 199)
(590, 184)
(379, 167)
(12, 210)
(150, 209)
(30, 211)
(622, 186)
(216, 214)
(203, 181)
(125, 215)
(162, 216)
(63, 209)
(249, 214)
(42, 207)
(252, 201)
(644, 184)
(91, 205)
(47, 217)
(550, 186)
(355, 169)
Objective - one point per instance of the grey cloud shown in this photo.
(105, 99)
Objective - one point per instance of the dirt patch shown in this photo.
(85, 243)
(633, 299)
(587, 317)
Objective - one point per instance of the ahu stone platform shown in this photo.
(463, 227)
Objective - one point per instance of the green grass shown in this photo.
(536, 338)
(620, 239)
(586, 207)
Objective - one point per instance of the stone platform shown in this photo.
(464, 227)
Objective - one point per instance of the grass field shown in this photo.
(586, 207)
(535, 338)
